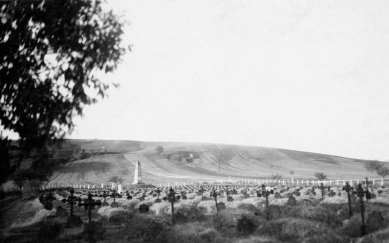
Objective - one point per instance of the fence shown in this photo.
(248, 182)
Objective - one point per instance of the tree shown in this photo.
(372, 166)
(320, 176)
(50, 52)
(383, 171)
(159, 150)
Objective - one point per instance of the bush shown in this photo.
(41, 175)
(353, 226)
(188, 213)
(227, 220)
(145, 227)
(320, 176)
(191, 232)
(293, 230)
(381, 236)
(313, 213)
(245, 225)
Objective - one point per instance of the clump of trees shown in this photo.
(320, 176)
(379, 168)
(159, 150)
(116, 179)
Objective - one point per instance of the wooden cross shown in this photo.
(89, 204)
(266, 193)
(361, 193)
(348, 188)
(158, 192)
(71, 200)
(172, 198)
(214, 195)
(113, 194)
(322, 188)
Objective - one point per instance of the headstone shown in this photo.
(143, 208)
(375, 219)
(157, 200)
(221, 206)
(120, 188)
(230, 199)
(277, 195)
(292, 201)
(114, 205)
(331, 193)
(297, 193)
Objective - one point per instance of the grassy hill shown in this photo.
(187, 162)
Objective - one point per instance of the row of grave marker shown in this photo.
(119, 187)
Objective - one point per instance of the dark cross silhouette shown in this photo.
(113, 194)
(172, 198)
(348, 188)
(214, 195)
(266, 194)
(158, 192)
(71, 200)
(322, 188)
(361, 193)
(89, 204)
(368, 194)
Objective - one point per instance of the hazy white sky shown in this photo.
(303, 75)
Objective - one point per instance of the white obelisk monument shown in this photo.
(137, 174)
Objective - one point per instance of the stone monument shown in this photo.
(137, 174)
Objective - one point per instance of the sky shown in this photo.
(302, 75)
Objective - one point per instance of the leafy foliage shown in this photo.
(320, 176)
(39, 175)
(159, 150)
(49, 53)
(383, 171)
(372, 166)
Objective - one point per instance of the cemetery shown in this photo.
(136, 203)
(201, 212)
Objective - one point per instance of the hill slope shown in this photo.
(187, 162)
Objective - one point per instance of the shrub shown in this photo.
(353, 227)
(194, 232)
(320, 176)
(145, 227)
(381, 236)
(226, 221)
(188, 213)
(292, 230)
(313, 213)
(245, 225)
(116, 179)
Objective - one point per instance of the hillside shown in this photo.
(187, 162)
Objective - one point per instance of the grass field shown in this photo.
(200, 164)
